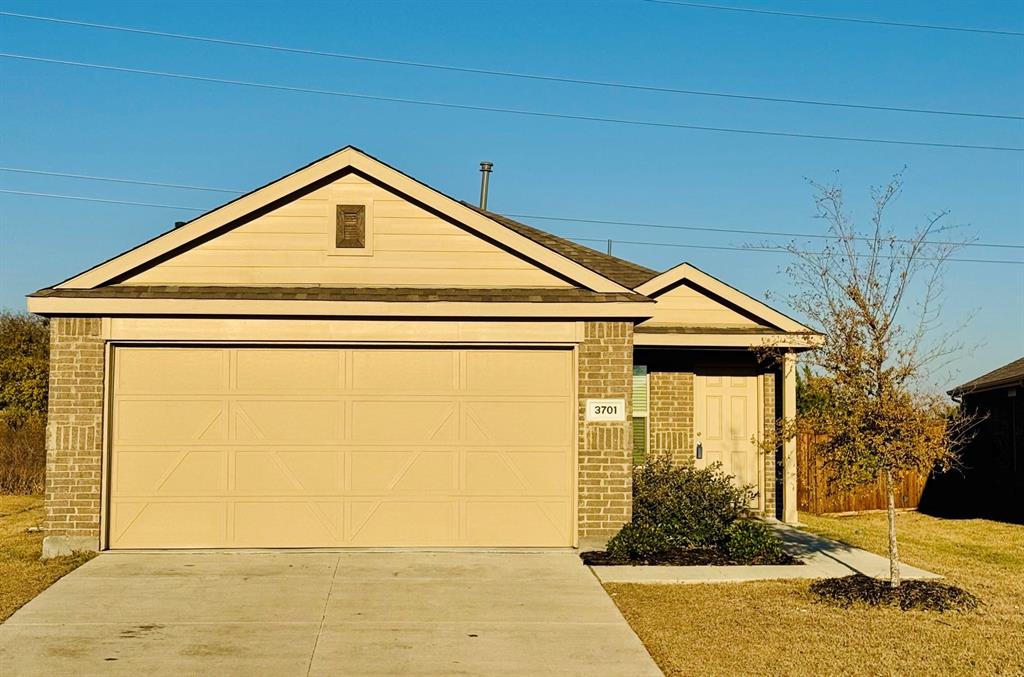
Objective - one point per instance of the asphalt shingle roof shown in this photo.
(1008, 374)
(624, 272)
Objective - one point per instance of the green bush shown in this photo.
(750, 542)
(638, 542)
(691, 507)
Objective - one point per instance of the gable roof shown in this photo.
(1006, 375)
(626, 273)
(316, 174)
(686, 272)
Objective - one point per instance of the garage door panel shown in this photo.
(276, 370)
(154, 524)
(168, 371)
(168, 421)
(285, 523)
(404, 421)
(298, 447)
(407, 372)
(170, 473)
(517, 473)
(295, 473)
(404, 523)
(403, 472)
(543, 422)
(517, 523)
(523, 372)
(268, 420)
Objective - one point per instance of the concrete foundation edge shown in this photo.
(61, 546)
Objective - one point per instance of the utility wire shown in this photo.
(514, 74)
(828, 17)
(783, 250)
(532, 217)
(98, 199)
(629, 242)
(510, 111)
(23, 170)
(740, 231)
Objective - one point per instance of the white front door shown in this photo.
(726, 423)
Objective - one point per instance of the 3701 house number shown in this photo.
(606, 410)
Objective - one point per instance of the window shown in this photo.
(641, 430)
(350, 227)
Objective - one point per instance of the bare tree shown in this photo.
(877, 297)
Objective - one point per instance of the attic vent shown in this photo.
(350, 231)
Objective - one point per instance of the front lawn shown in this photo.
(775, 627)
(22, 574)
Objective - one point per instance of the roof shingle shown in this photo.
(626, 273)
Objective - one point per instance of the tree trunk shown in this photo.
(894, 551)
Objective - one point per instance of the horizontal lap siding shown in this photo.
(294, 245)
(688, 306)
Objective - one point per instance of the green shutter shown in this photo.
(640, 390)
(639, 413)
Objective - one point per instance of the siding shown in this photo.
(294, 245)
(692, 307)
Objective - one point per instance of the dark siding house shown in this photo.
(992, 482)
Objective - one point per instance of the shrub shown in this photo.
(691, 507)
(638, 542)
(750, 542)
(22, 454)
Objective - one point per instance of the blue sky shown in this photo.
(67, 119)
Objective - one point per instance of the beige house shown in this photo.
(347, 357)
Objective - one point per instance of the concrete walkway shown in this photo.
(317, 613)
(822, 558)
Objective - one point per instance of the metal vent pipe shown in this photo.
(485, 175)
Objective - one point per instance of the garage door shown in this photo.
(320, 447)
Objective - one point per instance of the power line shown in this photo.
(782, 250)
(533, 217)
(739, 231)
(23, 170)
(98, 199)
(513, 74)
(849, 19)
(629, 242)
(509, 111)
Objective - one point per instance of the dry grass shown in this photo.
(22, 574)
(777, 627)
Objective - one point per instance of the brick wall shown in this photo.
(770, 417)
(670, 410)
(605, 448)
(74, 436)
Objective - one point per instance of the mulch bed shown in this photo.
(924, 595)
(684, 557)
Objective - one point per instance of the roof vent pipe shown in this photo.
(485, 175)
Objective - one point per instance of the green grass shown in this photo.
(22, 574)
(777, 627)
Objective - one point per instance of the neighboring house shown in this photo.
(348, 357)
(992, 479)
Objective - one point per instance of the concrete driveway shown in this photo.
(324, 613)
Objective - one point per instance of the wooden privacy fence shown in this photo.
(815, 493)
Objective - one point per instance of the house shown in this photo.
(348, 357)
(991, 482)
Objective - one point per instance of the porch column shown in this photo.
(789, 446)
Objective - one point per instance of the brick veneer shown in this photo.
(74, 436)
(670, 408)
(605, 448)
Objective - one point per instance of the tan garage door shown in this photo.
(319, 447)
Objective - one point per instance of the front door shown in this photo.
(726, 423)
